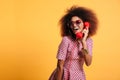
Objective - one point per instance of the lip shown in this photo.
(76, 29)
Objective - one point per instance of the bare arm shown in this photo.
(59, 74)
(87, 56)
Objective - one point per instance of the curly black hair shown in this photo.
(85, 14)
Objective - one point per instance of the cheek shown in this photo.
(81, 27)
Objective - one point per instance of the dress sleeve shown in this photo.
(62, 49)
(90, 45)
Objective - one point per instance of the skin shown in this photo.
(87, 57)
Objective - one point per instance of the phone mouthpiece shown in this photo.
(79, 35)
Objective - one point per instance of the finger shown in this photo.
(85, 30)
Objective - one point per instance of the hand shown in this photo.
(85, 32)
(83, 40)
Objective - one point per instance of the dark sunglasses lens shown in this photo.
(78, 22)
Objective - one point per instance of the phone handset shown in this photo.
(79, 35)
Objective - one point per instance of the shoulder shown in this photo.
(66, 38)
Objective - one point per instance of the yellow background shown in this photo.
(29, 38)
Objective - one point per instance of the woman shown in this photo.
(74, 50)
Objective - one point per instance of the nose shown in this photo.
(74, 24)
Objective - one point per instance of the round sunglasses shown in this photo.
(77, 22)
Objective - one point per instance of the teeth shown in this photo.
(75, 28)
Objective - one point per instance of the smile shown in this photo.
(75, 28)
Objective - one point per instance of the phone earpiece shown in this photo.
(86, 24)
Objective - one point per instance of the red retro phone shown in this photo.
(79, 35)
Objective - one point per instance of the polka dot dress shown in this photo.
(73, 68)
